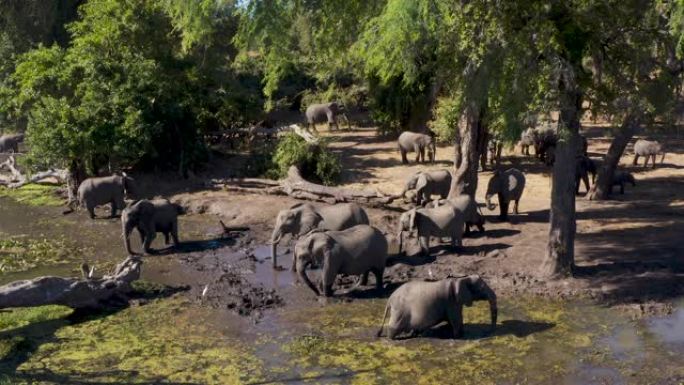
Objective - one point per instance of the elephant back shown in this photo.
(361, 242)
(342, 216)
(646, 147)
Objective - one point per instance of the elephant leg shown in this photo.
(327, 279)
(417, 150)
(585, 178)
(174, 233)
(622, 188)
(424, 242)
(466, 231)
(166, 237)
(503, 205)
(654, 160)
(515, 206)
(392, 333)
(364, 278)
(113, 214)
(646, 160)
(455, 318)
(378, 272)
(403, 156)
(636, 158)
(149, 237)
(91, 211)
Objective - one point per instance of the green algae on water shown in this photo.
(33, 195)
(21, 253)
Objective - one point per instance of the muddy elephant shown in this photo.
(357, 250)
(325, 112)
(428, 183)
(419, 143)
(583, 167)
(648, 149)
(150, 217)
(304, 217)
(417, 306)
(620, 178)
(527, 139)
(93, 192)
(508, 186)
(468, 206)
(10, 142)
(443, 221)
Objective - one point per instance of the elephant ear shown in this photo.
(421, 182)
(460, 291)
(412, 219)
(309, 221)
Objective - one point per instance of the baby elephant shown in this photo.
(648, 149)
(418, 143)
(355, 251)
(468, 206)
(443, 221)
(10, 142)
(428, 183)
(325, 112)
(417, 306)
(93, 192)
(150, 217)
(620, 178)
(508, 186)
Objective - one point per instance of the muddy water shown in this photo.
(181, 339)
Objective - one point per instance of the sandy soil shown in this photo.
(626, 248)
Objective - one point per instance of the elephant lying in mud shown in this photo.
(355, 251)
(419, 143)
(93, 192)
(150, 217)
(325, 112)
(428, 183)
(508, 186)
(620, 178)
(10, 142)
(443, 221)
(304, 217)
(417, 306)
(648, 149)
(468, 206)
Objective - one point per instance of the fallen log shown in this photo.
(76, 293)
(18, 179)
(297, 187)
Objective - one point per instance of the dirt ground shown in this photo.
(626, 249)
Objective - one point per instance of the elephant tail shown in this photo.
(384, 318)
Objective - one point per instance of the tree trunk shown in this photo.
(560, 256)
(464, 180)
(601, 188)
(77, 174)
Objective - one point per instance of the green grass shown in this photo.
(34, 195)
(21, 254)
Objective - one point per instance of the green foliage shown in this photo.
(315, 161)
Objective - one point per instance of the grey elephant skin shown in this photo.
(418, 143)
(93, 192)
(527, 140)
(443, 221)
(583, 167)
(428, 183)
(355, 251)
(508, 186)
(620, 178)
(417, 306)
(10, 142)
(304, 217)
(325, 112)
(468, 206)
(648, 149)
(150, 217)
(545, 144)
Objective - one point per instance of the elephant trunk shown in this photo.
(488, 199)
(492, 308)
(275, 239)
(127, 228)
(301, 271)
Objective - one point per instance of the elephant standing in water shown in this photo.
(150, 217)
(325, 112)
(428, 183)
(355, 251)
(304, 217)
(10, 142)
(93, 192)
(417, 306)
(508, 186)
(648, 149)
(414, 142)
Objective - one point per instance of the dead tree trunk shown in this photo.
(465, 174)
(560, 255)
(601, 189)
(87, 292)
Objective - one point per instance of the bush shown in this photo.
(315, 161)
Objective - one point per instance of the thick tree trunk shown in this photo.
(465, 166)
(560, 256)
(601, 188)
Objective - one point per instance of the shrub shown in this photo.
(315, 161)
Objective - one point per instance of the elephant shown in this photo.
(509, 186)
(468, 206)
(414, 142)
(417, 306)
(112, 189)
(428, 183)
(304, 217)
(583, 167)
(545, 142)
(494, 148)
(150, 217)
(10, 142)
(527, 138)
(620, 178)
(584, 145)
(357, 250)
(325, 111)
(443, 221)
(648, 149)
